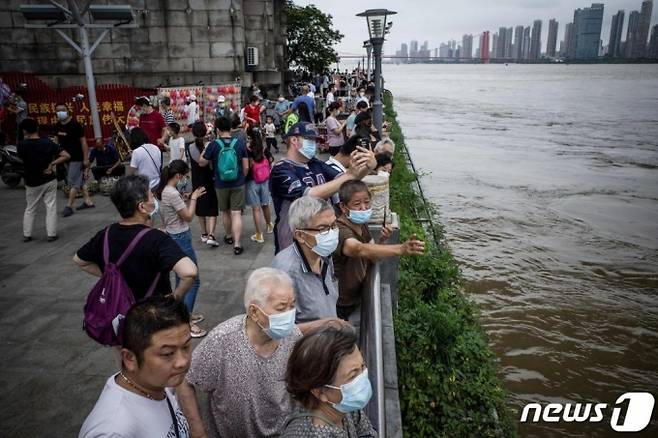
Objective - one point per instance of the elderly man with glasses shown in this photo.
(308, 260)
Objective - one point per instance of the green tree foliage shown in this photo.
(311, 38)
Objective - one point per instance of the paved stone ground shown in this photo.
(51, 373)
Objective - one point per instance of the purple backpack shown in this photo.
(111, 297)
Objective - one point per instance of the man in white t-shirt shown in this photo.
(156, 354)
(146, 159)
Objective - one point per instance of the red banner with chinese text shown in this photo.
(41, 101)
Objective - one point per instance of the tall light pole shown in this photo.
(377, 29)
(83, 18)
(368, 47)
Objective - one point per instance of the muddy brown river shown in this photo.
(546, 178)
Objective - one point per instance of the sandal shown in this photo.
(196, 331)
(237, 250)
(228, 240)
(196, 318)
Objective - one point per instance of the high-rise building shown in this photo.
(525, 47)
(467, 47)
(551, 44)
(614, 44)
(494, 45)
(632, 34)
(586, 32)
(484, 46)
(413, 51)
(509, 42)
(518, 42)
(640, 50)
(535, 40)
(444, 51)
(568, 32)
(652, 52)
(500, 43)
(404, 52)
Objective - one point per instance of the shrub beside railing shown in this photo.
(446, 370)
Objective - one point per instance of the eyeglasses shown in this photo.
(323, 230)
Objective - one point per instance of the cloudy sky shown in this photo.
(438, 20)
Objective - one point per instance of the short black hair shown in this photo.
(128, 192)
(383, 160)
(350, 145)
(174, 127)
(138, 137)
(235, 121)
(142, 101)
(29, 125)
(223, 124)
(349, 188)
(362, 104)
(148, 317)
(254, 98)
(165, 101)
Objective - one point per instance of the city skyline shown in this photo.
(582, 38)
(452, 21)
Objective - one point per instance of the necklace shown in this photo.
(135, 386)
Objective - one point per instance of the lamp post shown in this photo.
(83, 18)
(368, 47)
(377, 29)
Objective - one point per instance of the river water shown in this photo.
(546, 178)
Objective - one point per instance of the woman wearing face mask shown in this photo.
(356, 248)
(176, 216)
(335, 137)
(327, 376)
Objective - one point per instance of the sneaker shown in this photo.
(85, 206)
(196, 331)
(270, 228)
(196, 318)
(52, 238)
(211, 241)
(27, 239)
(204, 238)
(258, 237)
(237, 250)
(68, 211)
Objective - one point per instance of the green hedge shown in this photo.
(446, 370)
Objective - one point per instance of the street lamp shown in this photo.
(368, 47)
(74, 16)
(378, 27)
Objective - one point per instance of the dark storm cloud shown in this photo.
(439, 21)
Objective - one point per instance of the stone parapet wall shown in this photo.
(178, 42)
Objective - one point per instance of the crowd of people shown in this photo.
(289, 365)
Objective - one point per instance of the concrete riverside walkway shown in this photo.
(51, 373)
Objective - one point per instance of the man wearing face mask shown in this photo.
(357, 249)
(308, 259)
(301, 173)
(155, 253)
(71, 137)
(241, 363)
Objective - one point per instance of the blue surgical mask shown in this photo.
(180, 185)
(309, 148)
(62, 115)
(156, 208)
(281, 324)
(356, 394)
(326, 244)
(360, 216)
